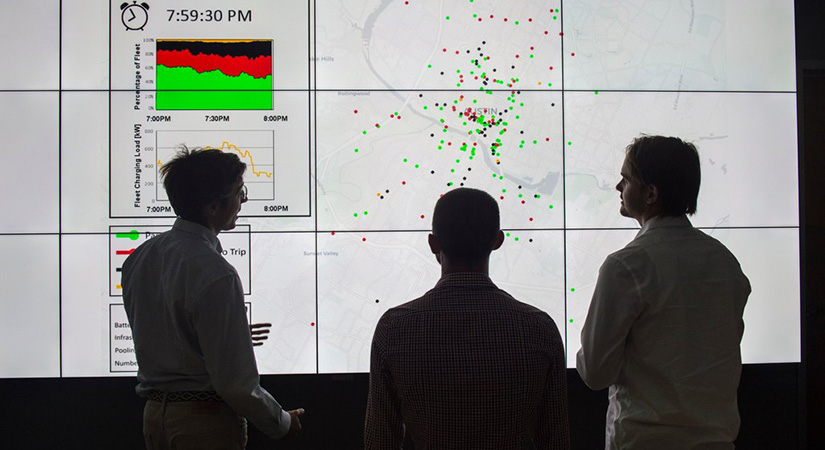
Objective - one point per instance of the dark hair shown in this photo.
(195, 178)
(670, 164)
(466, 224)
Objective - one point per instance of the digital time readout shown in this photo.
(209, 15)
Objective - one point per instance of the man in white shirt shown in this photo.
(185, 305)
(665, 322)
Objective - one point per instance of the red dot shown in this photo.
(522, 202)
(312, 324)
(422, 216)
(531, 47)
(377, 126)
(572, 54)
(531, 219)
(530, 19)
(516, 56)
(479, 19)
(356, 111)
(551, 67)
(547, 139)
(363, 239)
(561, 34)
(406, 3)
(403, 182)
(502, 197)
(545, 32)
(444, 50)
(332, 233)
(456, 52)
(505, 19)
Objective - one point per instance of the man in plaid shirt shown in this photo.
(467, 366)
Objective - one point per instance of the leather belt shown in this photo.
(185, 396)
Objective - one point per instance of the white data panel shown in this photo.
(30, 32)
(743, 139)
(29, 174)
(30, 308)
(679, 45)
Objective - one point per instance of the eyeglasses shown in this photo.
(243, 193)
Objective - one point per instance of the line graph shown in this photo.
(256, 148)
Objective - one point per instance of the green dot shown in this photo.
(429, 66)
(569, 142)
(448, 17)
(364, 132)
(405, 159)
(457, 161)
(365, 213)
(517, 22)
(425, 107)
(571, 320)
(508, 234)
(354, 214)
(551, 206)
(452, 170)
(572, 289)
(596, 92)
(356, 150)
(416, 166)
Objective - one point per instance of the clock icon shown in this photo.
(134, 16)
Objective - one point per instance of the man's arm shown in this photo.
(616, 304)
(220, 321)
(383, 427)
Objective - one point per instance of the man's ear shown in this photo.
(435, 247)
(652, 194)
(499, 240)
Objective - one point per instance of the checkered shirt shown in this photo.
(467, 366)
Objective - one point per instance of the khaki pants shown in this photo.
(192, 426)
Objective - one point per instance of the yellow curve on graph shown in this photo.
(225, 146)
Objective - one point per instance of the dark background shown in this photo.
(780, 404)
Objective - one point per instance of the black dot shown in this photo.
(387, 191)
(442, 73)
(376, 300)
(464, 178)
(469, 169)
(461, 184)
(531, 240)
(432, 172)
(552, 104)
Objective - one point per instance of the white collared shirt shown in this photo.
(186, 307)
(663, 332)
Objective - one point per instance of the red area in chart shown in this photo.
(124, 252)
(233, 66)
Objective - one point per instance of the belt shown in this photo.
(185, 396)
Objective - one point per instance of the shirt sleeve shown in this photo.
(219, 318)
(553, 432)
(383, 427)
(616, 304)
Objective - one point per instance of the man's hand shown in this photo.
(295, 426)
(260, 333)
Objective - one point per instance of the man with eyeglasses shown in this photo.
(185, 305)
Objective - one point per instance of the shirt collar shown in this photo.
(664, 221)
(197, 229)
(463, 279)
